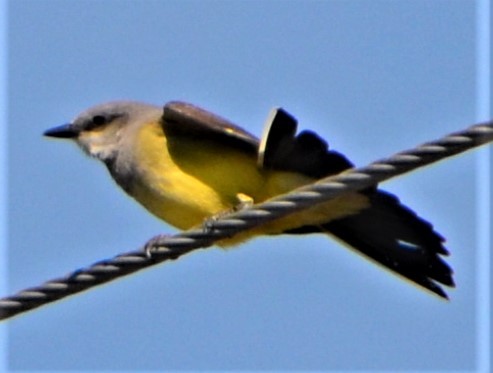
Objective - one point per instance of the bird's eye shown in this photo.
(98, 120)
(95, 122)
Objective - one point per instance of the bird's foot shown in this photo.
(155, 242)
(243, 201)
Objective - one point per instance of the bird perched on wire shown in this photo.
(185, 165)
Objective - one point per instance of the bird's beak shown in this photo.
(65, 131)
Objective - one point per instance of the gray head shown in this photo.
(101, 130)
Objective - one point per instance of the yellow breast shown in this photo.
(185, 181)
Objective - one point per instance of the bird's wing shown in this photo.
(387, 232)
(183, 119)
(307, 153)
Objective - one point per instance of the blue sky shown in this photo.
(373, 78)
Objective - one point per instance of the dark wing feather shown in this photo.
(183, 119)
(281, 149)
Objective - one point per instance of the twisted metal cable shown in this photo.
(163, 248)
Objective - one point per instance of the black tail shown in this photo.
(394, 236)
(387, 231)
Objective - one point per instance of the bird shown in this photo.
(186, 165)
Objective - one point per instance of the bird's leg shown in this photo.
(243, 201)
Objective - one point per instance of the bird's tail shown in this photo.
(392, 235)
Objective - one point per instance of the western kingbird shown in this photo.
(185, 165)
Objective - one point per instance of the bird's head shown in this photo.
(101, 130)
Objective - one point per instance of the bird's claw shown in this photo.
(153, 244)
(244, 201)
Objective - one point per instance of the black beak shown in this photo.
(65, 131)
